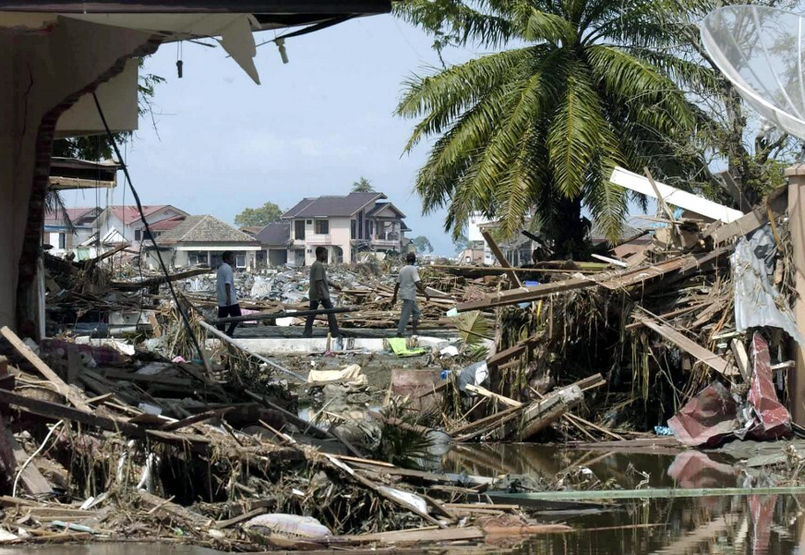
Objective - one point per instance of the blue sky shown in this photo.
(314, 126)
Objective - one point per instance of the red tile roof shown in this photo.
(56, 217)
(166, 224)
(128, 214)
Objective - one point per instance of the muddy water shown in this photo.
(756, 525)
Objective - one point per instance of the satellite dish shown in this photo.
(760, 50)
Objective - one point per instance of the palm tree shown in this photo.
(363, 185)
(535, 130)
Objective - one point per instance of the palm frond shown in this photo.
(539, 26)
(442, 97)
(634, 81)
(574, 134)
(456, 22)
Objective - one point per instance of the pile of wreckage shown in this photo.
(690, 336)
(176, 431)
(99, 445)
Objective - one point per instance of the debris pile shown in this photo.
(643, 340)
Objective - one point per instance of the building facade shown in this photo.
(344, 225)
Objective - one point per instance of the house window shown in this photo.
(240, 260)
(352, 229)
(360, 224)
(299, 230)
(322, 227)
(62, 241)
(138, 234)
(195, 258)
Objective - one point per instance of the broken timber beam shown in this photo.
(56, 411)
(70, 394)
(681, 265)
(776, 202)
(688, 345)
(540, 414)
(512, 352)
(515, 281)
(152, 282)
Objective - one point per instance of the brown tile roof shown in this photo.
(204, 229)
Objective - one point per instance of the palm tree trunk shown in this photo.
(569, 230)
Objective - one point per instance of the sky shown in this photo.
(221, 143)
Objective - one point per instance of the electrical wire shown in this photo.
(162, 266)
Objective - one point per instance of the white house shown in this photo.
(126, 220)
(201, 240)
(345, 225)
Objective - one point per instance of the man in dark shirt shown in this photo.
(320, 294)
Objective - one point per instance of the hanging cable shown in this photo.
(162, 266)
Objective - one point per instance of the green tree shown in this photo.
(262, 216)
(536, 129)
(461, 242)
(363, 185)
(422, 244)
(754, 152)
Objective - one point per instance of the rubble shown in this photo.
(267, 440)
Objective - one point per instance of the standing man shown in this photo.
(407, 284)
(227, 295)
(320, 294)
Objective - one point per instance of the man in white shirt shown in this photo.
(407, 284)
(227, 295)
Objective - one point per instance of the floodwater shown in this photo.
(756, 525)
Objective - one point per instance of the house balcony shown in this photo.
(318, 239)
(385, 243)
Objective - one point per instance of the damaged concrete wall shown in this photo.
(43, 73)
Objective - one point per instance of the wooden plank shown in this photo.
(672, 195)
(186, 515)
(153, 282)
(55, 411)
(195, 419)
(512, 352)
(707, 357)
(526, 294)
(220, 524)
(741, 358)
(486, 393)
(610, 280)
(777, 201)
(513, 279)
(145, 378)
(31, 478)
(64, 389)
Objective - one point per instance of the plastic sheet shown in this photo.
(757, 301)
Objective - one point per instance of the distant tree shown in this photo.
(461, 243)
(264, 215)
(363, 185)
(422, 244)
